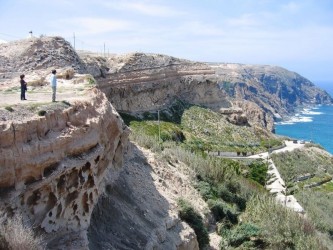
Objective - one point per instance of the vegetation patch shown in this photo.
(234, 190)
(195, 221)
(9, 108)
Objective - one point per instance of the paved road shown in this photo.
(276, 183)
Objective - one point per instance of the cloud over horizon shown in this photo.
(295, 34)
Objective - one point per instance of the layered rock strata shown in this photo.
(52, 167)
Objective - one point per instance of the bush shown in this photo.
(258, 172)
(205, 190)
(281, 228)
(41, 113)
(224, 194)
(242, 233)
(195, 221)
(217, 208)
(9, 108)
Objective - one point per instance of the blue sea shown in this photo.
(315, 123)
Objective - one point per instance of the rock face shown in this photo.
(37, 54)
(139, 209)
(136, 83)
(140, 82)
(52, 167)
(274, 89)
(148, 82)
(65, 173)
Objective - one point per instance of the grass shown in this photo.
(280, 228)
(246, 217)
(215, 133)
(302, 161)
(316, 200)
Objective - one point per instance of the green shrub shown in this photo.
(224, 194)
(233, 186)
(242, 233)
(258, 172)
(9, 108)
(195, 221)
(217, 208)
(281, 228)
(206, 190)
(41, 112)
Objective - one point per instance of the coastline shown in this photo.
(309, 124)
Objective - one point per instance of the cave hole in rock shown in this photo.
(77, 219)
(86, 167)
(97, 159)
(50, 214)
(50, 169)
(61, 184)
(90, 182)
(33, 199)
(81, 177)
(75, 207)
(51, 202)
(91, 197)
(30, 180)
(73, 180)
(71, 197)
(85, 204)
(59, 210)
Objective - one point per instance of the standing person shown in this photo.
(23, 87)
(53, 82)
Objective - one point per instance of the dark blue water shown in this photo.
(315, 124)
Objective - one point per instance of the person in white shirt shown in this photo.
(53, 83)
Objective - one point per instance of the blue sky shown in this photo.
(297, 35)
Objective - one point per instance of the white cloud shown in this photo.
(291, 7)
(144, 7)
(246, 20)
(200, 28)
(3, 41)
(93, 26)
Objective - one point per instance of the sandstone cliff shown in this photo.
(65, 171)
(52, 167)
(136, 83)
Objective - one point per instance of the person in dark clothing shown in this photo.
(23, 87)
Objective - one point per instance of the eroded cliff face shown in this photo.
(141, 82)
(52, 167)
(139, 209)
(275, 90)
(138, 82)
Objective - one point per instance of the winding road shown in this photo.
(276, 184)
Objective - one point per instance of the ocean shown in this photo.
(311, 124)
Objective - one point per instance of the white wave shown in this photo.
(295, 119)
(308, 112)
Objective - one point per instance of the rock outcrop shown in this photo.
(148, 82)
(52, 167)
(136, 83)
(67, 172)
(139, 208)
